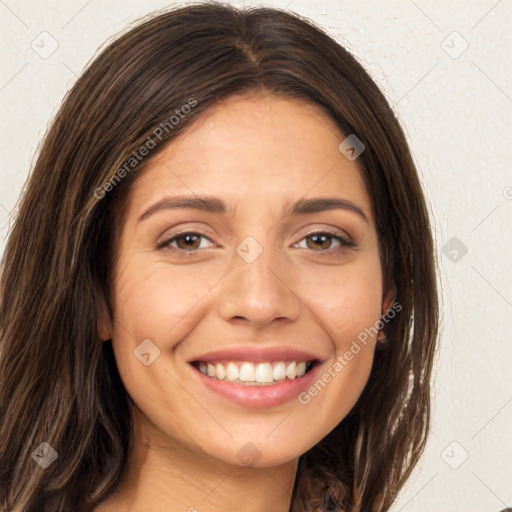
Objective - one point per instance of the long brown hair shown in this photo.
(59, 382)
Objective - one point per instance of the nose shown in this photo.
(260, 292)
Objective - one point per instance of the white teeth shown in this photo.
(279, 372)
(247, 372)
(232, 372)
(264, 373)
(291, 371)
(255, 373)
(301, 368)
(220, 371)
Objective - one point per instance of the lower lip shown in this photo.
(259, 397)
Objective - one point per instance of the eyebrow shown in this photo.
(215, 205)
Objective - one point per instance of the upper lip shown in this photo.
(257, 354)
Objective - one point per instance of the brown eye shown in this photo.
(190, 241)
(187, 242)
(320, 241)
(323, 241)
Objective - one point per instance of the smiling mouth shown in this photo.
(254, 374)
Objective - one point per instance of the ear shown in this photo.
(388, 298)
(104, 333)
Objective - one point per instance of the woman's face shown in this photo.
(244, 288)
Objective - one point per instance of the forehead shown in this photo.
(254, 148)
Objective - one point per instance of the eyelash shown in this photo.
(345, 243)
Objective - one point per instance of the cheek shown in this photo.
(347, 303)
(156, 302)
(346, 300)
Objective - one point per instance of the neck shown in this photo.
(165, 476)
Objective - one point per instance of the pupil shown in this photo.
(189, 240)
(322, 238)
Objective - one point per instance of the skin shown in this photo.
(259, 153)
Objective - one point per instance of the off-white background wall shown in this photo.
(445, 67)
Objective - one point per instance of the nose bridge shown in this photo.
(256, 288)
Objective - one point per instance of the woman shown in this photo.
(219, 291)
